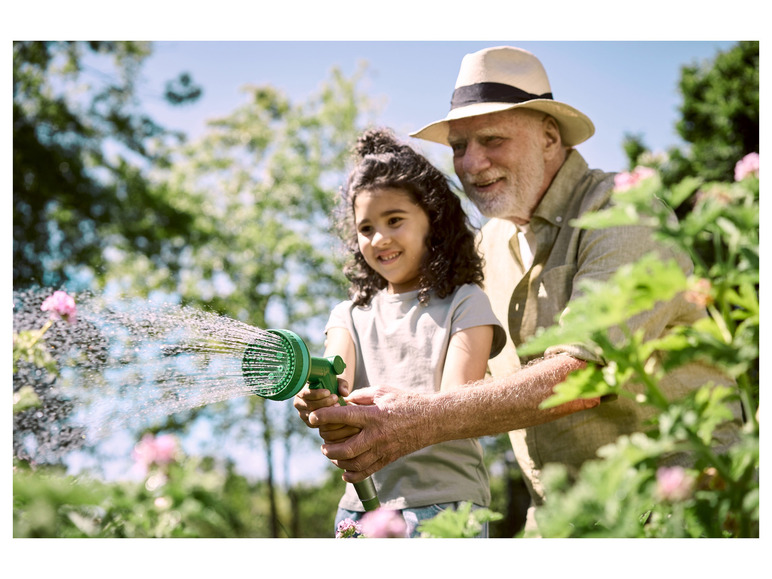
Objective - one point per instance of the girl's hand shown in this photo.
(308, 400)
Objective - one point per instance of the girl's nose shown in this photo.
(380, 239)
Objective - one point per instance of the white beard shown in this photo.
(520, 196)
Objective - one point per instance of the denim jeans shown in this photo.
(413, 517)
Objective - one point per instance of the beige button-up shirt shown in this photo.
(526, 299)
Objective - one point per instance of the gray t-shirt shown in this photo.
(401, 343)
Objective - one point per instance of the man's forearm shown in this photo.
(396, 422)
(499, 405)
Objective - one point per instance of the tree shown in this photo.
(240, 223)
(719, 118)
(720, 111)
(261, 188)
(80, 145)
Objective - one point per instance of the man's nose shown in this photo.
(475, 160)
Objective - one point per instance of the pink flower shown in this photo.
(699, 293)
(624, 180)
(748, 165)
(719, 193)
(384, 524)
(674, 483)
(61, 305)
(155, 450)
(348, 529)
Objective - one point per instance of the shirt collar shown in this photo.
(555, 202)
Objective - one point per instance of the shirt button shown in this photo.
(558, 219)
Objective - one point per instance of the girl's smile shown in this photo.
(391, 232)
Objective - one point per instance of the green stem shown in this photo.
(652, 389)
(720, 321)
(639, 367)
(746, 399)
(659, 400)
(713, 459)
(42, 331)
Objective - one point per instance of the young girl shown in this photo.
(417, 318)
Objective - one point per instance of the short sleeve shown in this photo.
(472, 308)
(340, 317)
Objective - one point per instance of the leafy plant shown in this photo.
(463, 522)
(622, 495)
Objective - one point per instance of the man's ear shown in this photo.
(553, 144)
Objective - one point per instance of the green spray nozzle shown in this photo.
(324, 373)
(278, 367)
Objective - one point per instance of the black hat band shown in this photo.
(492, 92)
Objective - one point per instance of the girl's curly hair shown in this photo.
(452, 258)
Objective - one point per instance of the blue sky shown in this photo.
(624, 87)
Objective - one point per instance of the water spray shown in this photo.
(151, 360)
(278, 367)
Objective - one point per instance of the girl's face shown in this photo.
(391, 231)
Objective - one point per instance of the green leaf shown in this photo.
(463, 522)
(634, 288)
(588, 382)
(25, 398)
(683, 190)
(616, 216)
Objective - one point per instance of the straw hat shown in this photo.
(501, 78)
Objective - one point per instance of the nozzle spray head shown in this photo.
(278, 367)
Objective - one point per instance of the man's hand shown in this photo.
(388, 424)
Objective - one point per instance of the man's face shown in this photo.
(500, 161)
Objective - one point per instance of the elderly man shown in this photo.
(513, 151)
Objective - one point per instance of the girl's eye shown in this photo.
(395, 220)
(365, 230)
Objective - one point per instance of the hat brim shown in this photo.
(575, 127)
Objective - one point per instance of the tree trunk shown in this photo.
(268, 440)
